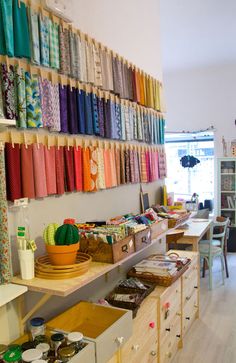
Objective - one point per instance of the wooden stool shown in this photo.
(173, 237)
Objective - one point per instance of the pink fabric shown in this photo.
(147, 156)
(39, 171)
(50, 166)
(27, 171)
(60, 176)
(78, 168)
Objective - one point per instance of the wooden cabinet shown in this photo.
(163, 319)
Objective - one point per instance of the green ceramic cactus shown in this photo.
(49, 233)
(67, 234)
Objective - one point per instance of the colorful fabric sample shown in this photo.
(64, 47)
(9, 91)
(21, 97)
(50, 167)
(40, 183)
(6, 28)
(27, 171)
(13, 175)
(69, 168)
(54, 45)
(60, 179)
(63, 97)
(34, 35)
(44, 40)
(78, 168)
(21, 30)
(33, 103)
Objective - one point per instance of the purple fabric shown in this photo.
(63, 108)
(73, 122)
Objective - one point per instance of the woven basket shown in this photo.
(172, 223)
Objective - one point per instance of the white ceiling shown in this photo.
(197, 33)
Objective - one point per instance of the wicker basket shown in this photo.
(173, 223)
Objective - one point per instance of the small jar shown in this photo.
(31, 355)
(75, 339)
(57, 340)
(44, 348)
(12, 356)
(27, 346)
(40, 339)
(3, 349)
(66, 353)
(37, 327)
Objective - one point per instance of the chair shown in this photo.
(217, 234)
(209, 249)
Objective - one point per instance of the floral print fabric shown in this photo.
(9, 91)
(21, 98)
(44, 40)
(33, 104)
(34, 35)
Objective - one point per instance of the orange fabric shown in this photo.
(141, 86)
(137, 85)
(151, 93)
(118, 171)
(87, 181)
(107, 168)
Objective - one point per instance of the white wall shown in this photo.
(199, 98)
(131, 28)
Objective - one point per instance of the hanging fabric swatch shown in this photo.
(5, 248)
(2, 114)
(34, 35)
(101, 116)
(117, 75)
(162, 164)
(27, 171)
(87, 182)
(59, 160)
(143, 167)
(107, 168)
(88, 115)
(50, 167)
(13, 175)
(56, 126)
(113, 167)
(21, 97)
(78, 168)
(21, 30)
(63, 97)
(118, 165)
(95, 114)
(47, 100)
(122, 167)
(131, 161)
(9, 91)
(93, 168)
(97, 66)
(6, 28)
(74, 55)
(44, 40)
(73, 124)
(80, 94)
(123, 116)
(162, 130)
(127, 166)
(33, 103)
(69, 168)
(136, 167)
(117, 127)
(156, 165)
(90, 62)
(64, 51)
(110, 120)
(54, 45)
(39, 171)
(106, 69)
(148, 166)
(82, 59)
(101, 171)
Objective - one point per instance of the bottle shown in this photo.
(37, 327)
(66, 353)
(44, 348)
(57, 340)
(75, 339)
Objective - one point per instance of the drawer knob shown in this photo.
(187, 318)
(195, 305)
(167, 329)
(153, 353)
(152, 324)
(169, 354)
(188, 298)
(120, 340)
(135, 347)
(195, 287)
(178, 314)
(178, 336)
(167, 305)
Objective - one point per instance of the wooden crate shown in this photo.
(142, 239)
(158, 228)
(107, 253)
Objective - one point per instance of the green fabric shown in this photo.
(34, 35)
(33, 104)
(21, 30)
(2, 38)
(7, 25)
(54, 45)
(21, 97)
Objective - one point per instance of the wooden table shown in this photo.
(197, 228)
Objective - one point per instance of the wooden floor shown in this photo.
(212, 338)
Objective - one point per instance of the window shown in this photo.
(186, 181)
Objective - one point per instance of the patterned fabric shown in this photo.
(136, 167)
(21, 30)
(74, 55)
(93, 168)
(106, 69)
(95, 114)
(118, 131)
(21, 98)
(127, 166)
(44, 40)
(55, 109)
(101, 117)
(117, 76)
(13, 174)
(82, 60)
(88, 115)
(122, 167)
(127, 118)
(110, 120)
(33, 104)
(90, 62)
(63, 97)
(45, 87)
(143, 167)
(131, 161)
(54, 45)
(101, 169)
(123, 121)
(148, 166)
(64, 47)
(2, 115)
(162, 164)
(97, 67)
(6, 21)
(34, 35)
(5, 248)
(81, 110)
(9, 91)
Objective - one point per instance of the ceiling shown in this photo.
(197, 33)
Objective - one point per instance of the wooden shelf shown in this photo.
(68, 286)
(228, 191)
(6, 122)
(10, 292)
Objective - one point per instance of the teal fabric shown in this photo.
(21, 30)
(34, 35)
(7, 27)
(2, 37)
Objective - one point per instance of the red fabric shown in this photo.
(69, 168)
(27, 171)
(50, 166)
(39, 171)
(78, 168)
(60, 176)
(13, 171)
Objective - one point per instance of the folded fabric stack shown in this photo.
(108, 233)
(158, 268)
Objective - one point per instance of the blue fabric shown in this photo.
(81, 110)
(88, 115)
(95, 114)
(73, 122)
(101, 116)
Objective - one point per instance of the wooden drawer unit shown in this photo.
(158, 228)
(190, 282)
(142, 239)
(87, 355)
(170, 345)
(107, 327)
(190, 310)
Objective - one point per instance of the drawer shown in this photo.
(104, 326)
(142, 239)
(169, 347)
(190, 309)
(145, 352)
(158, 228)
(114, 359)
(170, 305)
(190, 282)
(86, 355)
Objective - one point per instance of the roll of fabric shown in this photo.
(34, 35)
(64, 47)
(44, 40)
(80, 94)
(60, 176)
(50, 167)
(69, 168)
(5, 247)
(27, 171)
(21, 30)
(54, 45)
(13, 171)
(73, 124)
(6, 28)
(9, 91)
(63, 98)
(21, 97)
(107, 168)
(33, 102)
(86, 170)
(78, 168)
(40, 183)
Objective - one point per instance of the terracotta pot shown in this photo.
(62, 255)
